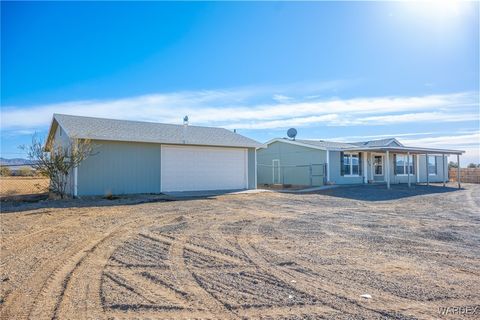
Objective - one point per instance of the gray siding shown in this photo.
(420, 170)
(335, 175)
(129, 168)
(120, 168)
(289, 155)
(252, 183)
(402, 178)
(440, 170)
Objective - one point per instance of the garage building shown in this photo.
(143, 157)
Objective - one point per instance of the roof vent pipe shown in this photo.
(185, 125)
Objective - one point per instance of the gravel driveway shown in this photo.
(257, 256)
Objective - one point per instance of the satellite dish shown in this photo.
(292, 133)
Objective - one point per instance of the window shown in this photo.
(351, 164)
(402, 167)
(378, 165)
(432, 165)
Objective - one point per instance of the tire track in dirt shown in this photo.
(58, 221)
(228, 259)
(43, 277)
(246, 274)
(20, 241)
(333, 302)
(35, 283)
(471, 199)
(186, 278)
(79, 280)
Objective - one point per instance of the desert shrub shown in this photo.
(25, 172)
(5, 172)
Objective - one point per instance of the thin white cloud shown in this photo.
(410, 118)
(282, 98)
(248, 108)
(472, 139)
(470, 143)
(398, 135)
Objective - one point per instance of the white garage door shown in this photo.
(187, 168)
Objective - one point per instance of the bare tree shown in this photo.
(57, 162)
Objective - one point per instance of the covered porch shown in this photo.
(409, 165)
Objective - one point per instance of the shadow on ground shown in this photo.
(26, 202)
(20, 205)
(381, 193)
(359, 192)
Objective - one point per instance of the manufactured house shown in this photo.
(133, 157)
(319, 162)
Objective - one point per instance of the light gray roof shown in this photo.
(327, 144)
(138, 131)
(377, 143)
(383, 144)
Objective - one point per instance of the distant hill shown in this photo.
(15, 162)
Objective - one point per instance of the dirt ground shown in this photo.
(12, 186)
(263, 255)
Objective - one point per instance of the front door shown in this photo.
(378, 168)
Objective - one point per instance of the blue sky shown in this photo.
(342, 71)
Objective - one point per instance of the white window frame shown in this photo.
(406, 164)
(383, 165)
(350, 154)
(436, 165)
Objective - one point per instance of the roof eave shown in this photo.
(294, 143)
(51, 133)
(253, 146)
(408, 149)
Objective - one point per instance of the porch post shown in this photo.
(408, 167)
(372, 166)
(387, 167)
(426, 162)
(458, 171)
(365, 167)
(418, 167)
(444, 169)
